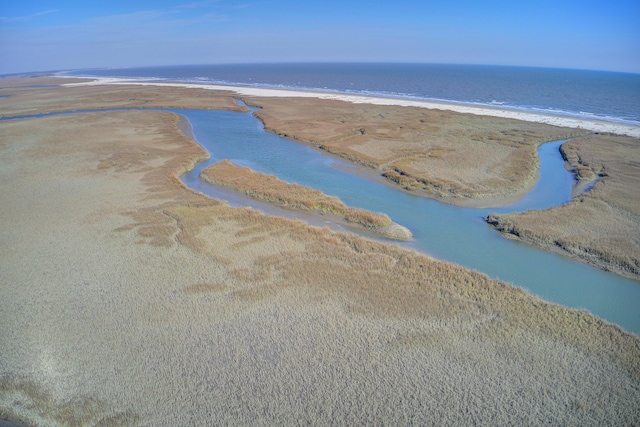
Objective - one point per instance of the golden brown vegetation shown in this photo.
(126, 297)
(26, 100)
(273, 190)
(601, 226)
(45, 409)
(451, 156)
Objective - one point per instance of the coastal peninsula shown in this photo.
(126, 298)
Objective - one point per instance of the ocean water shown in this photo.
(576, 93)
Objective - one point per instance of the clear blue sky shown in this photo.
(50, 35)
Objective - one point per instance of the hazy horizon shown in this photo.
(38, 72)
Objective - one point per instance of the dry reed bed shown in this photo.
(451, 156)
(152, 304)
(600, 227)
(271, 189)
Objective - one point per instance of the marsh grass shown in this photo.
(600, 227)
(273, 190)
(442, 154)
(29, 101)
(298, 324)
(33, 405)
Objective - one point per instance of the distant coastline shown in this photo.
(595, 125)
(581, 94)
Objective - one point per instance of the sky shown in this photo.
(48, 35)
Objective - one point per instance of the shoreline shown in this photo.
(599, 126)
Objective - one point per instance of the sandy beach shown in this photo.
(458, 158)
(128, 299)
(450, 152)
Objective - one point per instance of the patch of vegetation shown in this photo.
(443, 154)
(600, 227)
(273, 190)
(24, 401)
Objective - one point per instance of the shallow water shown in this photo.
(446, 232)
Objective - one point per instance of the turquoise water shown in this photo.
(446, 232)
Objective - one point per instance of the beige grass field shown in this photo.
(25, 100)
(458, 158)
(602, 226)
(269, 188)
(127, 299)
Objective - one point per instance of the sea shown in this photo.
(592, 95)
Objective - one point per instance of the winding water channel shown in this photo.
(446, 232)
(455, 234)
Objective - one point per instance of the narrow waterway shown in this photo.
(446, 232)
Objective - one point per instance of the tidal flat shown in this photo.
(126, 299)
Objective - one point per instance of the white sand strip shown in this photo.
(572, 122)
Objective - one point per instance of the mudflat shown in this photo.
(126, 298)
(600, 226)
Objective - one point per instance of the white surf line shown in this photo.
(591, 125)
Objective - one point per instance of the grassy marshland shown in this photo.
(273, 190)
(25, 100)
(126, 298)
(458, 158)
(601, 226)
